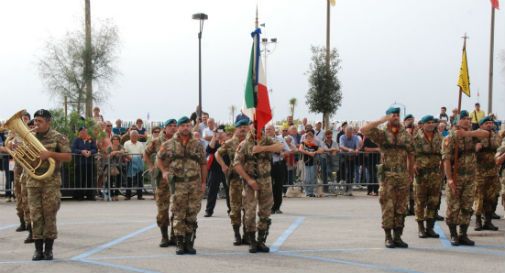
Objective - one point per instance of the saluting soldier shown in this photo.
(500, 161)
(162, 193)
(488, 183)
(395, 173)
(183, 165)
(225, 156)
(411, 128)
(44, 195)
(460, 192)
(428, 177)
(252, 163)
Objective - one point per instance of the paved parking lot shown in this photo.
(334, 234)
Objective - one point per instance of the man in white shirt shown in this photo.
(209, 131)
(135, 151)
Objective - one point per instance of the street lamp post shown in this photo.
(201, 17)
(266, 51)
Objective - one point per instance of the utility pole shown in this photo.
(88, 69)
(491, 61)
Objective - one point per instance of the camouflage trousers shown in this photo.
(487, 189)
(236, 188)
(162, 196)
(263, 200)
(393, 197)
(44, 204)
(24, 200)
(427, 195)
(19, 195)
(502, 180)
(186, 200)
(459, 207)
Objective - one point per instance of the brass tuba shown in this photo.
(27, 149)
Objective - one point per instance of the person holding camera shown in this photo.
(216, 175)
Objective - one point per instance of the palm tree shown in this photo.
(232, 112)
(292, 105)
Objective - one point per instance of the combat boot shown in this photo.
(164, 237)
(422, 232)
(39, 246)
(478, 222)
(245, 238)
(172, 240)
(238, 239)
(463, 237)
(262, 238)
(397, 239)
(252, 242)
(488, 225)
(179, 245)
(22, 225)
(48, 251)
(389, 239)
(430, 224)
(188, 244)
(454, 235)
(29, 238)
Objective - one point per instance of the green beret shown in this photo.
(427, 118)
(183, 120)
(393, 110)
(42, 113)
(485, 119)
(407, 116)
(436, 120)
(463, 114)
(241, 122)
(169, 121)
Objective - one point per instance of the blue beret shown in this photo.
(183, 120)
(463, 114)
(485, 119)
(42, 113)
(393, 110)
(169, 121)
(240, 116)
(407, 116)
(241, 122)
(427, 118)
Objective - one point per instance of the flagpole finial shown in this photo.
(257, 19)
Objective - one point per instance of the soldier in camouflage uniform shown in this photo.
(26, 207)
(412, 129)
(227, 152)
(44, 195)
(183, 165)
(460, 193)
(395, 173)
(162, 193)
(252, 163)
(428, 180)
(500, 161)
(488, 183)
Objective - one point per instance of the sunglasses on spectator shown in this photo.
(156, 132)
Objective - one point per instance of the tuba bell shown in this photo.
(27, 149)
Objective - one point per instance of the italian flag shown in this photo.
(256, 103)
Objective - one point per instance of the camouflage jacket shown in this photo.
(255, 165)
(466, 153)
(229, 148)
(53, 142)
(428, 153)
(182, 161)
(486, 164)
(499, 152)
(154, 145)
(395, 148)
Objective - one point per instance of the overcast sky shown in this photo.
(404, 51)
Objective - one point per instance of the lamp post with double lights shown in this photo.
(201, 17)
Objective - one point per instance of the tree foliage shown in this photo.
(324, 95)
(292, 105)
(61, 66)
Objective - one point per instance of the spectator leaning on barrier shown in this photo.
(135, 150)
(328, 158)
(350, 143)
(278, 168)
(115, 154)
(84, 150)
(289, 158)
(371, 159)
(309, 148)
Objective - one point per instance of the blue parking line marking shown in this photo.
(7, 227)
(117, 266)
(352, 263)
(285, 235)
(443, 238)
(114, 242)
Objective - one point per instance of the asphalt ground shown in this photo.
(332, 234)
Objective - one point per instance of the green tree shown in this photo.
(62, 65)
(292, 105)
(324, 95)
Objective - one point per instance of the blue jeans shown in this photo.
(310, 178)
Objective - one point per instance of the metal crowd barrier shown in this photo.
(340, 173)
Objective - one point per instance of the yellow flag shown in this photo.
(464, 77)
(333, 2)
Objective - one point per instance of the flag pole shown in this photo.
(491, 61)
(255, 76)
(456, 148)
